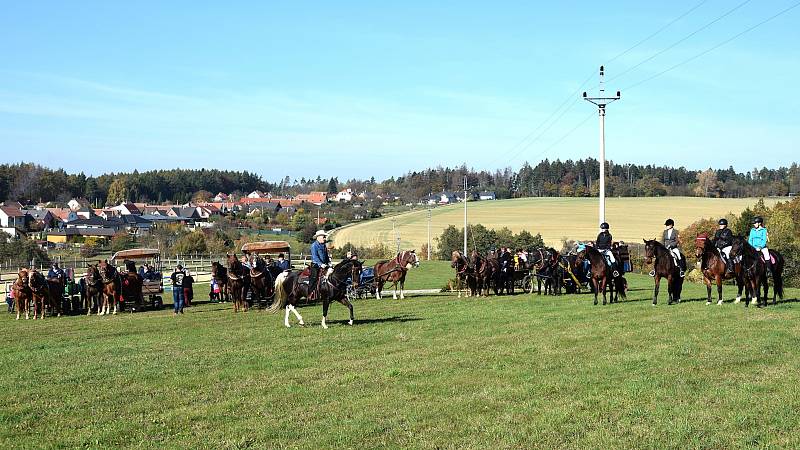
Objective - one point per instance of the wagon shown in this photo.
(153, 287)
(269, 248)
(366, 285)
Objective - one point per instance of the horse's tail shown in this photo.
(777, 276)
(619, 285)
(280, 293)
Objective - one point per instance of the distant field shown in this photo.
(555, 218)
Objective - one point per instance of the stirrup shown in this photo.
(682, 274)
(652, 273)
(615, 274)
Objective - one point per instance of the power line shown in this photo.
(522, 145)
(679, 41)
(711, 49)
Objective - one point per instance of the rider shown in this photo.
(319, 260)
(670, 240)
(603, 243)
(55, 271)
(758, 238)
(723, 240)
(282, 263)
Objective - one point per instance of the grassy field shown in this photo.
(555, 218)
(426, 372)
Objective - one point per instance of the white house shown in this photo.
(127, 209)
(487, 195)
(345, 195)
(221, 197)
(256, 194)
(11, 220)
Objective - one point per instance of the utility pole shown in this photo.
(429, 233)
(396, 236)
(601, 101)
(465, 215)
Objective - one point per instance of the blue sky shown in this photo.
(360, 89)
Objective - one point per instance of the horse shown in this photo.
(111, 288)
(261, 280)
(290, 287)
(465, 274)
(664, 267)
(131, 288)
(601, 276)
(55, 286)
(754, 272)
(22, 293)
(714, 270)
(576, 274)
(548, 271)
(504, 272)
(238, 281)
(394, 271)
(220, 275)
(485, 271)
(94, 289)
(40, 290)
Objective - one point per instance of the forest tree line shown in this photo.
(28, 182)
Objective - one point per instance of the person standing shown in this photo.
(319, 261)
(758, 238)
(177, 289)
(188, 289)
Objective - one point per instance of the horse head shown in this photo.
(37, 281)
(413, 259)
(455, 259)
(649, 250)
(739, 246)
(23, 277)
(700, 243)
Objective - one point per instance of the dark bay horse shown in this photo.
(238, 282)
(394, 271)
(290, 287)
(601, 275)
(714, 269)
(56, 287)
(465, 274)
(664, 267)
(131, 290)
(754, 272)
(22, 293)
(548, 271)
(111, 288)
(94, 289)
(485, 273)
(262, 283)
(220, 275)
(40, 293)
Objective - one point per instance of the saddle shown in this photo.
(771, 258)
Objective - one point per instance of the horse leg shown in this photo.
(655, 289)
(349, 305)
(379, 287)
(325, 305)
(115, 300)
(604, 284)
(402, 287)
(394, 294)
(596, 285)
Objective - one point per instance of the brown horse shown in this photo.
(714, 270)
(754, 273)
(261, 280)
(485, 271)
(238, 280)
(394, 271)
(131, 290)
(41, 293)
(664, 267)
(22, 293)
(290, 287)
(94, 289)
(465, 274)
(56, 287)
(600, 274)
(220, 275)
(111, 288)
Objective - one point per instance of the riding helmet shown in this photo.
(604, 226)
(723, 221)
(669, 222)
(758, 219)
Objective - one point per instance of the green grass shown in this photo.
(555, 218)
(425, 372)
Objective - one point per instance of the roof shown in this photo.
(266, 247)
(136, 253)
(38, 214)
(101, 232)
(10, 211)
(94, 221)
(130, 219)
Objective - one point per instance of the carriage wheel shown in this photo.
(527, 283)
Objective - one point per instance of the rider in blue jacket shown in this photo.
(758, 238)
(319, 261)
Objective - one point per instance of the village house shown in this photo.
(12, 220)
(344, 196)
(487, 195)
(127, 208)
(315, 197)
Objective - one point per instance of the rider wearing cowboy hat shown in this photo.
(723, 241)
(670, 240)
(319, 260)
(758, 238)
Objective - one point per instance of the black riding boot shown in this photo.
(728, 266)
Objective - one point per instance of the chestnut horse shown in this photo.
(465, 274)
(394, 271)
(664, 267)
(714, 270)
(486, 270)
(290, 287)
(111, 288)
(22, 293)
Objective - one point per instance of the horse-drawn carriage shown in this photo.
(152, 281)
(365, 287)
(269, 249)
(264, 269)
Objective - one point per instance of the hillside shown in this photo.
(555, 218)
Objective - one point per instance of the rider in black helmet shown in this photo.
(603, 243)
(670, 240)
(723, 240)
